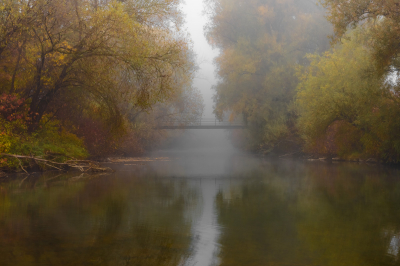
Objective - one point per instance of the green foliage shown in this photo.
(261, 43)
(383, 17)
(50, 141)
(345, 106)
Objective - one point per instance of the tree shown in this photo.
(15, 16)
(382, 14)
(96, 66)
(345, 106)
(261, 42)
(85, 46)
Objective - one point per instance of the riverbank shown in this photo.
(107, 164)
(322, 157)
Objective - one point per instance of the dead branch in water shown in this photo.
(81, 165)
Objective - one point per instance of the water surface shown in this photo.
(204, 204)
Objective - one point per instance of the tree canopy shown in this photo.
(382, 14)
(261, 42)
(98, 60)
(346, 107)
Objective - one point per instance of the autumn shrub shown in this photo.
(382, 137)
(51, 137)
(50, 141)
(346, 107)
(340, 139)
(13, 108)
(325, 143)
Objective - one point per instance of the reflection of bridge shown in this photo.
(205, 123)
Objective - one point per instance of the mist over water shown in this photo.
(208, 158)
(203, 153)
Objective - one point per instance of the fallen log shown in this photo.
(81, 165)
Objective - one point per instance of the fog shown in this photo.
(204, 158)
(205, 76)
(208, 161)
(203, 153)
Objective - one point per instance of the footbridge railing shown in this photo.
(204, 123)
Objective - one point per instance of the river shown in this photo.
(204, 203)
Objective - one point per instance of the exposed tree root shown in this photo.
(81, 165)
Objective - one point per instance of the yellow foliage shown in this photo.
(343, 86)
(261, 43)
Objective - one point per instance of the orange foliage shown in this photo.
(13, 108)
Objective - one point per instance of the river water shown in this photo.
(204, 203)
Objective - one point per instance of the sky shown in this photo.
(205, 77)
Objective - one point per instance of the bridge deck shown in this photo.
(203, 127)
(205, 123)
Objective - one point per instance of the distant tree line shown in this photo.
(297, 92)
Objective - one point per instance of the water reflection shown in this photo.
(107, 220)
(257, 212)
(312, 214)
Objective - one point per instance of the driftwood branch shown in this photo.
(81, 165)
(20, 164)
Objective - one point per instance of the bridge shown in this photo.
(204, 123)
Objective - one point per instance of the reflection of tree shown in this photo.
(351, 216)
(317, 215)
(104, 221)
(259, 227)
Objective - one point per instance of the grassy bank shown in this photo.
(51, 141)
